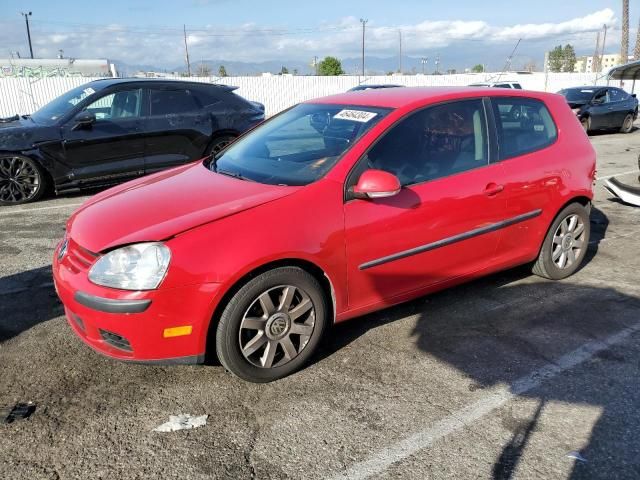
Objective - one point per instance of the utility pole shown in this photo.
(437, 63)
(186, 50)
(400, 56)
(315, 64)
(604, 41)
(26, 16)
(596, 56)
(364, 23)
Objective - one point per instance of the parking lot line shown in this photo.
(22, 210)
(383, 459)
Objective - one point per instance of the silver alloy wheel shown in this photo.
(628, 123)
(19, 179)
(277, 326)
(568, 241)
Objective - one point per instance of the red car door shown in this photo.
(444, 223)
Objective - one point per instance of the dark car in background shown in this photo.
(108, 131)
(602, 108)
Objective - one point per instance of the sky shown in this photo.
(463, 33)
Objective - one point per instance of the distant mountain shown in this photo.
(352, 65)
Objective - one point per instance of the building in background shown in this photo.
(585, 64)
(55, 67)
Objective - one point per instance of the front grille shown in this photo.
(115, 340)
(79, 259)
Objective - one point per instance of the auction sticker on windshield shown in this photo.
(355, 115)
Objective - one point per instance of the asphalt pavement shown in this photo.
(511, 376)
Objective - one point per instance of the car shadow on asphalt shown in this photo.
(499, 329)
(26, 300)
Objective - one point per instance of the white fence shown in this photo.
(25, 95)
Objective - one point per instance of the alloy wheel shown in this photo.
(277, 326)
(568, 242)
(19, 179)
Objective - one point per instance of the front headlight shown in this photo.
(135, 267)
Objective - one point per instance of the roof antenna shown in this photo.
(507, 64)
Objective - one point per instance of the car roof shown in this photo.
(402, 97)
(108, 82)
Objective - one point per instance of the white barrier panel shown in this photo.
(25, 95)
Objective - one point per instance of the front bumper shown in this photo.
(130, 325)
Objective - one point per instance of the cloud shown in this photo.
(164, 46)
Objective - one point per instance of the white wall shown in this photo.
(25, 95)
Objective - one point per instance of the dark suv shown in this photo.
(602, 108)
(108, 131)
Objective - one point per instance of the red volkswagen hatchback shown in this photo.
(333, 208)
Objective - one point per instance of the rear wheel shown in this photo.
(627, 124)
(565, 245)
(272, 325)
(586, 124)
(22, 180)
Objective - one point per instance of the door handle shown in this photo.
(493, 189)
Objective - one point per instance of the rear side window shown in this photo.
(436, 142)
(616, 95)
(524, 125)
(168, 102)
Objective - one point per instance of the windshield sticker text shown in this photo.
(355, 115)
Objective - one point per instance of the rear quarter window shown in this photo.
(524, 125)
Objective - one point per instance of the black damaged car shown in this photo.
(108, 131)
(602, 108)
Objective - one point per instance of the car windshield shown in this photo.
(59, 107)
(298, 146)
(577, 94)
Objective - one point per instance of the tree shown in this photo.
(330, 66)
(479, 68)
(284, 70)
(203, 70)
(569, 58)
(562, 59)
(295, 71)
(555, 59)
(222, 72)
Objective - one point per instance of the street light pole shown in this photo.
(364, 23)
(26, 16)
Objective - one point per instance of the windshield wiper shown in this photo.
(234, 175)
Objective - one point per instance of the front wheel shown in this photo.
(565, 245)
(22, 180)
(219, 144)
(272, 325)
(627, 124)
(586, 124)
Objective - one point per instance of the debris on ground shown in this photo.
(577, 456)
(20, 411)
(627, 193)
(182, 422)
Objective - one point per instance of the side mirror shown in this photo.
(83, 120)
(376, 184)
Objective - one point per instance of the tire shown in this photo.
(22, 180)
(219, 143)
(562, 242)
(586, 124)
(253, 326)
(627, 124)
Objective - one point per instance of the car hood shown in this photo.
(165, 204)
(17, 133)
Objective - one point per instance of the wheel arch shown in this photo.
(221, 133)
(306, 265)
